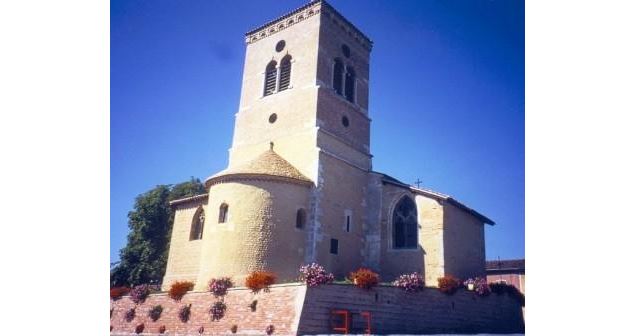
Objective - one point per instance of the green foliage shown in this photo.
(145, 255)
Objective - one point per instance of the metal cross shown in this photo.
(418, 183)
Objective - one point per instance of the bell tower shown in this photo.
(305, 88)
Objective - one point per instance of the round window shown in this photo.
(272, 118)
(345, 121)
(346, 50)
(280, 45)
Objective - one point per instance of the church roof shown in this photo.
(268, 164)
(437, 195)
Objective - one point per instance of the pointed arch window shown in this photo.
(300, 219)
(198, 222)
(223, 213)
(285, 73)
(404, 224)
(271, 75)
(349, 85)
(338, 73)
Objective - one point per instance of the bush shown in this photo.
(162, 329)
(448, 284)
(502, 288)
(130, 314)
(155, 312)
(364, 278)
(219, 287)
(217, 310)
(270, 329)
(184, 313)
(139, 328)
(314, 275)
(234, 328)
(179, 288)
(139, 293)
(260, 280)
(117, 292)
(410, 282)
(201, 329)
(479, 286)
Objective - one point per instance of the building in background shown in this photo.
(511, 272)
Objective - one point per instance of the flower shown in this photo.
(269, 330)
(448, 284)
(314, 275)
(139, 293)
(118, 292)
(217, 310)
(410, 282)
(130, 314)
(184, 313)
(155, 312)
(139, 328)
(219, 287)
(479, 284)
(179, 288)
(364, 278)
(260, 280)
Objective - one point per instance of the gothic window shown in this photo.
(338, 72)
(404, 224)
(271, 74)
(300, 219)
(285, 73)
(196, 231)
(349, 85)
(223, 211)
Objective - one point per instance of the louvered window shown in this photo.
(338, 72)
(349, 85)
(285, 73)
(270, 78)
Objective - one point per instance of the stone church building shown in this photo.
(300, 186)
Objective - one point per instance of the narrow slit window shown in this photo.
(348, 223)
(300, 219)
(285, 73)
(271, 74)
(223, 211)
(334, 246)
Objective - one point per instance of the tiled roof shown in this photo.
(268, 163)
(515, 264)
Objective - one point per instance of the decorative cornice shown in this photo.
(255, 177)
(302, 13)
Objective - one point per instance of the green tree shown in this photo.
(145, 255)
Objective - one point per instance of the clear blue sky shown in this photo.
(446, 98)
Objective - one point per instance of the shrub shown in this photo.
(410, 282)
(364, 278)
(162, 329)
(201, 329)
(479, 286)
(253, 305)
(117, 292)
(234, 329)
(314, 275)
(501, 288)
(184, 313)
(270, 329)
(111, 310)
(155, 312)
(448, 284)
(260, 280)
(217, 310)
(130, 314)
(139, 328)
(179, 288)
(219, 287)
(139, 293)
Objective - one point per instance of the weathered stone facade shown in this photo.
(305, 146)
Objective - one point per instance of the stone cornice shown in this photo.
(189, 199)
(302, 13)
(258, 177)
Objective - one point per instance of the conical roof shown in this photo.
(267, 164)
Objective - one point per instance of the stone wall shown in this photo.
(293, 309)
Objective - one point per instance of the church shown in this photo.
(299, 186)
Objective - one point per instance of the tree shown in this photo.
(145, 255)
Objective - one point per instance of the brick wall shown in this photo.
(292, 309)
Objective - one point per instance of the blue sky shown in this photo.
(447, 101)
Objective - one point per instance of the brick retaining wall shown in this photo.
(291, 307)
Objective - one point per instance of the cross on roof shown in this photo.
(418, 183)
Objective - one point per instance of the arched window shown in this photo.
(300, 219)
(404, 224)
(223, 212)
(338, 72)
(271, 74)
(196, 231)
(285, 73)
(349, 85)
